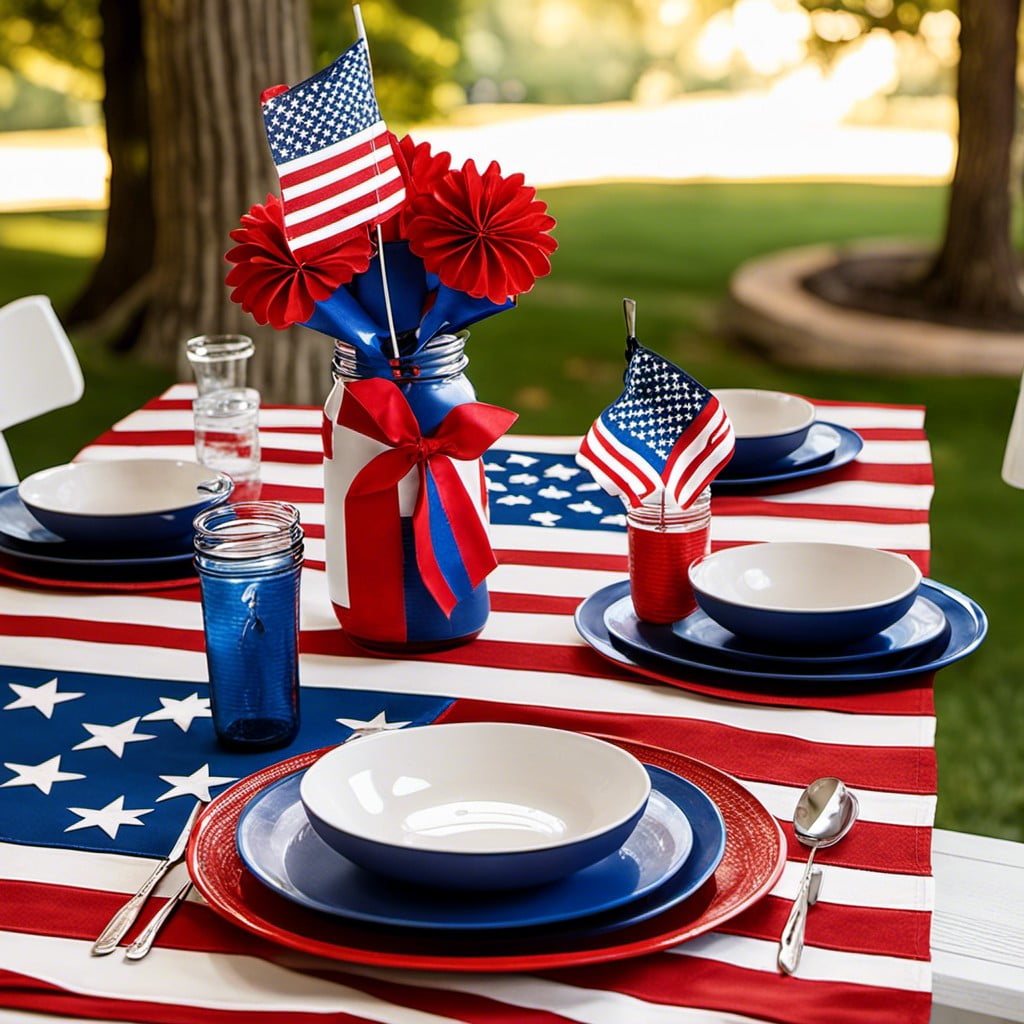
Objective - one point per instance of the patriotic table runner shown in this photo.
(105, 741)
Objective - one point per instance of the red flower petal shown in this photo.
(267, 280)
(482, 234)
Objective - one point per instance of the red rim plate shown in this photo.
(754, 856)
(58, 583)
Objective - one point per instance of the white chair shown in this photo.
(39, 370)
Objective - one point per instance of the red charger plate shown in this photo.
(754, 857)
(108, 585)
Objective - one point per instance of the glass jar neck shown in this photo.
(213, 348)
(441, 358)
(248, 531)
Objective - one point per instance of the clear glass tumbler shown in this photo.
(663, 544)
(249, 558)
(227, 437)
(219, 361)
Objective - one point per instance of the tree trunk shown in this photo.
(208, 61)
(128, 253)
(975, 270)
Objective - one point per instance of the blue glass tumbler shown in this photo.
(249, 557)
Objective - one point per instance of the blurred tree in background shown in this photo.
(975, 276)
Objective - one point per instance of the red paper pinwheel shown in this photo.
(482, 234)
(271, 284)
(421, 172)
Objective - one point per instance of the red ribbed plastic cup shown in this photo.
(662, 547)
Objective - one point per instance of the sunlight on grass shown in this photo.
(79, 239)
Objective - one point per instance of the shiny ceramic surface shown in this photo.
(278, 845)
(923, 624)
(751, 864)
(808, 460)
(32, 554)
(653, 650)
(804, 593)
(475, 805)
(122, 500)
(768, 425)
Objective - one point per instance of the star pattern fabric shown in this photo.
(112, 764)
(43, 698)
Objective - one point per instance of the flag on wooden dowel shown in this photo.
(665, 433)
(333, 154)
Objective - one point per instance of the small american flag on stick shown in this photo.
(665, 432)
(333, 154)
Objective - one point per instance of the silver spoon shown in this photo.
(824, 814)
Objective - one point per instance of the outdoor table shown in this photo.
(103, 697)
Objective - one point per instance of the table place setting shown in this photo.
(118, 525)
(459, 724)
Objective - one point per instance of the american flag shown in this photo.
(333, 155)
(664, 432)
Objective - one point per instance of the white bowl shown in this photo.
(768, 426)
(123, 500)
(805, 593)
(478, 805)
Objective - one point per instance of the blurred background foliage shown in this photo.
(432, 57)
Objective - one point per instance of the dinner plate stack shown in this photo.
(449, 820)
(119, 525)
(779, 438)
(793, 613)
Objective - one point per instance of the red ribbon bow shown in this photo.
(378, 409)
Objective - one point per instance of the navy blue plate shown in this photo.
(828, 446)
(23, 537)
(658, 647)
(672, 852)
(923, 624)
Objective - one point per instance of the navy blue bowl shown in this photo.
(123, 501)
(768, 425)
(475, 871)
(798, 594)
(477, 805)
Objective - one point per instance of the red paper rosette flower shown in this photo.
(421, 172)
(482, 234)
(271, 284)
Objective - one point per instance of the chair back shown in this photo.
(39, 370)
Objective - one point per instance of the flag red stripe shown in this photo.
(366, 202)
(334, 188)
(34, 908)
(710, 984)
(331, 163)
(766, 757)
(580, 660)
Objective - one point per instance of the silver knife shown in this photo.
(125, 917)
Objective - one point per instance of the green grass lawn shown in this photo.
(557, 360)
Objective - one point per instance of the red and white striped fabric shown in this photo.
(867, 960)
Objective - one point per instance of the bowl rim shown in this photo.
(221, 487)
(799, 610)
(810, 413)
(635, 766)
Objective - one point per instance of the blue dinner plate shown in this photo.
(674, 849)
(923, 624)
(828, 446)
(24, 538)
(657, 647)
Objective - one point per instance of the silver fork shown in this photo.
(144, 943)
(119, 924)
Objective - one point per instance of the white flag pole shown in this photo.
(361, 32)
